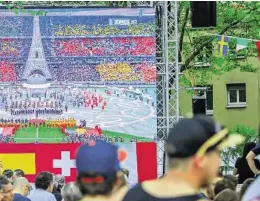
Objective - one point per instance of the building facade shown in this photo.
(232, 99)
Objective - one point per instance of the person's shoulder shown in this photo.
(18, 197)
(135, 193)
(256, 148)
(49, 194)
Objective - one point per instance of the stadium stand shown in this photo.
(93, 26)
(134, 46)
(23, 26)
(7, 72)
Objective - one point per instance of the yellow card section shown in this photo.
(23, 161)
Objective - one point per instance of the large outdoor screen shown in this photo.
(91, 68)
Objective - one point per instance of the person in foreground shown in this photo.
(21, 189)
(99, 174)
(59, 182)
(70, 192)
(18, 173)
(1, 193)
(193, 150)
(44, 187)
(7, 189)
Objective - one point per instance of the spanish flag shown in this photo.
(24, 161)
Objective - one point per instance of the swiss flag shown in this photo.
(139, 158)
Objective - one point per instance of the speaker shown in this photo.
(204, 13)
(199, 106)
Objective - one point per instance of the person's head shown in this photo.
(247, 148)
(21, 186)
(227, 195)
(44, 181)
(231, 178)
(7, 189)
(210, 188)
(18, 173)
(193, 148)
(245, 186)
(222, 185)
(9, 174)
(59, 181)
(71, 192)
(98, 168)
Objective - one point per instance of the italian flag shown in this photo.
(241, 44)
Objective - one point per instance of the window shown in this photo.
(236, 95)
(205, 92)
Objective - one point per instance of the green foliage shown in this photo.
(230, 155)
(238, 19)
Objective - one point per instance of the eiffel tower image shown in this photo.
(36, 60)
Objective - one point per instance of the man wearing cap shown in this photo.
(99, 172)
(193, 150)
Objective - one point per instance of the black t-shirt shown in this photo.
(256, 150)
(57, 195)
(243, 169)
(139, 194)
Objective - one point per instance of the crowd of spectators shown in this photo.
(7, 72)
(127, 46)
(23, 26)
(79, 138)
(14, 48)
(106, 30)
(148, 72)
(193, 173)
(74, 73)
(91, 25)
(119, 71)
(125, 72)
(78, 60)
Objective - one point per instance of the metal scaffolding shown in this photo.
(167, 74)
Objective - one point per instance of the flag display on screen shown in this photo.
(139, 158)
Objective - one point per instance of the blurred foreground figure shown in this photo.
(7, 189)
(227, 195)
(193, 149)
(242, 168)
(59, 181)
(99, 173)
(18, 173)
(44, 187)
(9, 175)
(21, 189)
(70, 192)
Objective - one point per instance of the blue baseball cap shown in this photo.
(98, 156)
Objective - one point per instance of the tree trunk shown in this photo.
(182, 31)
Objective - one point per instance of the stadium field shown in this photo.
(31, 134)
(54, 135)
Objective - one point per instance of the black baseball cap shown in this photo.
(197, 136)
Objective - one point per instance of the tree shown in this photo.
(239, 19)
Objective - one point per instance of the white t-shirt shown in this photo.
(41, 195)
